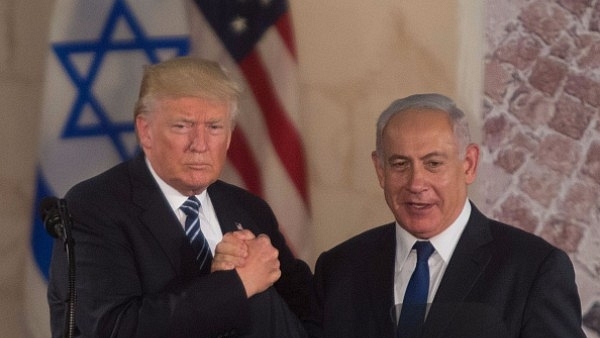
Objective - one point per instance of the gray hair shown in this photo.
(458, 119)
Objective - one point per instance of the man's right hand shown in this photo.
(254, 258)
(261, 268)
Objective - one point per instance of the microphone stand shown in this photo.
(58, 223)
(70, 250)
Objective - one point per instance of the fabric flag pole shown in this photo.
(254, 40)
(96, 53)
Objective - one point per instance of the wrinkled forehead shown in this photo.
(418, 131)
(419, 119)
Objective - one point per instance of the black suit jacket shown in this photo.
(500, 282)
(136, 274)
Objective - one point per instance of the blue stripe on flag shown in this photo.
(41, 242)
(88, 101)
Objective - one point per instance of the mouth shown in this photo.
(418, 206)
(198, 166)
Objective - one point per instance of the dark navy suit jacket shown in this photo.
(136, 274)
(500, 282)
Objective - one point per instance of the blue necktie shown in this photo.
(414, 304)
(191, 207)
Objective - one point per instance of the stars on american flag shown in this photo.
(239, 24)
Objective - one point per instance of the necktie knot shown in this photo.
(191, 207)
(424, 250)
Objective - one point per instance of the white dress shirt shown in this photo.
(406, 258)
(209, 224)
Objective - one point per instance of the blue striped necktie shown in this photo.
(414, 304)
(191, 207)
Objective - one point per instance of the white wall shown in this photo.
(354, 60)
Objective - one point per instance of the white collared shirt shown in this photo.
(209, 224)
(406, 258)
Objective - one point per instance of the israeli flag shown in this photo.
(96, 53)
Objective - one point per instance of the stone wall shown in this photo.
(541, 131)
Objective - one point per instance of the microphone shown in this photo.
(54, 215)
(57, 222)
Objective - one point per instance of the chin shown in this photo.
(196, 184)
(422, 230)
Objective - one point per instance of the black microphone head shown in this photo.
(50, 213)
(47, 204)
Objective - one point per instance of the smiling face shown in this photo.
(423, 178)
(186, 141)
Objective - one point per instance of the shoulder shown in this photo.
(221, 190)
(512, 238)
(108, 182)
(511, 241)
(105, 195)
(369, 254)
(366, 242)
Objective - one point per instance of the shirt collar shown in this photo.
(174, 197)
(444, 242)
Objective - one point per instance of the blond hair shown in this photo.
(186, 77)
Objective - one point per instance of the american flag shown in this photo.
(254, 40)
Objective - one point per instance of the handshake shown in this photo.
(253, 257)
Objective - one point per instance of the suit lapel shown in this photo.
(229, 213)
(380, 273)
(155, 212)
(468, 261)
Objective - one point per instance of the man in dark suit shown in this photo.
(137, 272)
(442, 269)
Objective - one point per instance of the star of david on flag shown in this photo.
(97, 50)
(94, 67)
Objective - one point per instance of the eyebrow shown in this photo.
(434, 154)
(422, 158)
(214, 120)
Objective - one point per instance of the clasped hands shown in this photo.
(253, 257)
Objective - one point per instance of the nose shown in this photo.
(197, 141)
(417, 182)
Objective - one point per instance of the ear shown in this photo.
(379, 169)
(142, 127)
(471, 162)
(230, 133)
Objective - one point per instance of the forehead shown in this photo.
(192, 105)
(420, 118)
(418, 127)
